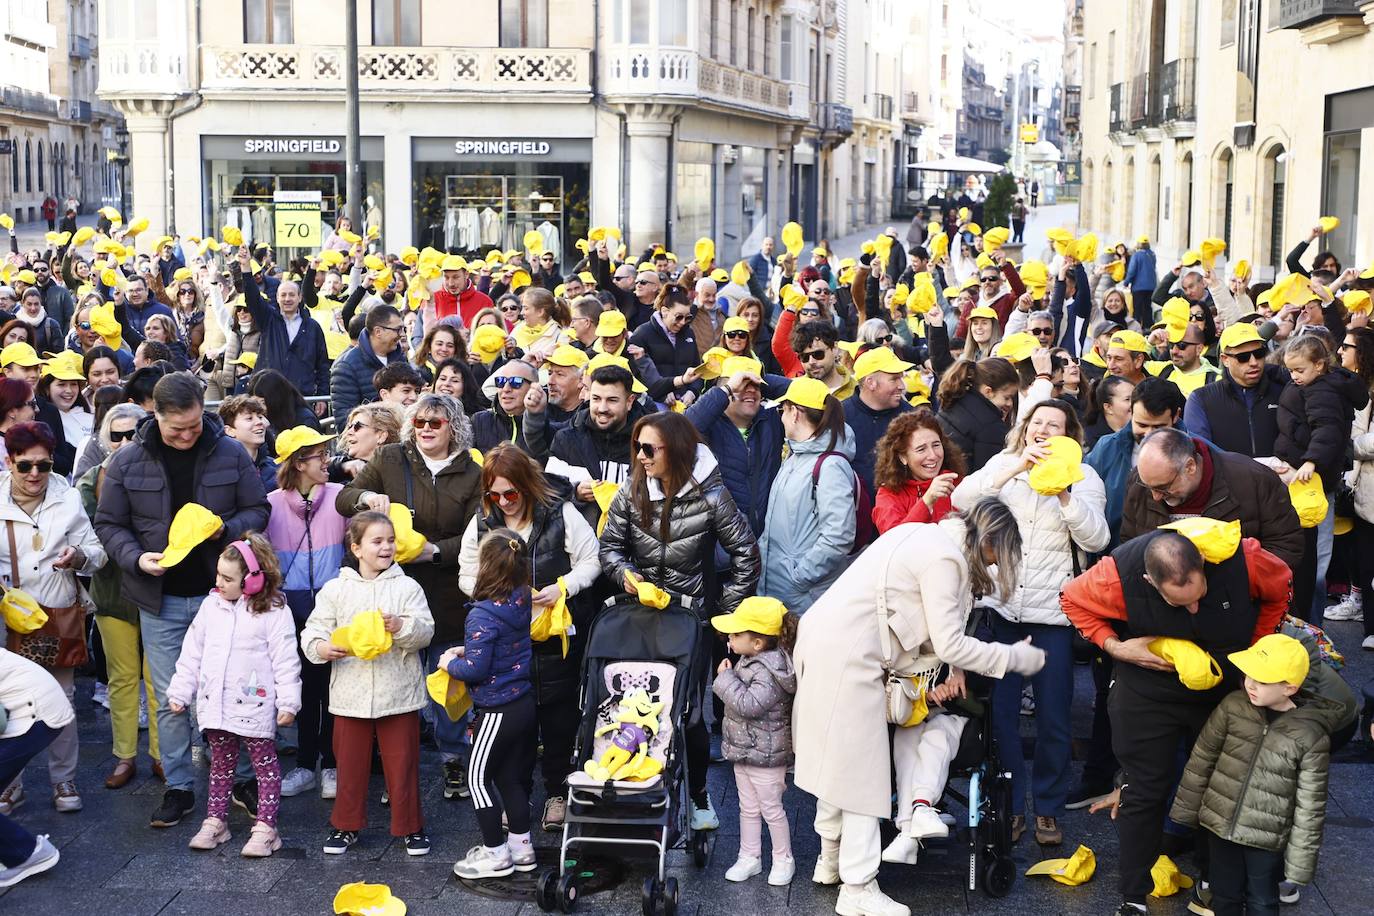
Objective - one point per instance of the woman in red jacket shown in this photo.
(917, 469)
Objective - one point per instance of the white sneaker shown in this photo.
(1351, 607)
(705, 818)
(745, 867)
(1368, 643)
(299, 780)
(329, 782)
(43, 857)
(868, 900)
(827, 870)
(902, 850)
(481, 862)
(101, 695)
(780, 875)
(926, 823)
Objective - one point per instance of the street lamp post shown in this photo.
(353, 173)
(122, 138)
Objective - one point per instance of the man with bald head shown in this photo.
(292, 342)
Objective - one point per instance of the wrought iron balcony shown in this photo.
(882, 107)
(1176, 90)
(834, 118)
(1116, 119)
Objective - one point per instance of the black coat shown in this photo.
(670, 359)
(1233, 427)
(975, 425)
(1314, 422)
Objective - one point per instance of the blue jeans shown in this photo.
(1326, 535)
(16, 843)
(452, 737)
(163, 634)
(1051, 775)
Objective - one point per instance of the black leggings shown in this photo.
(502, 762)
(314, 723)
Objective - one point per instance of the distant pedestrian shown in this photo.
(1035, 193)
(1018, 220)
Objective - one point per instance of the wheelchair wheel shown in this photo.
(567, 893)
(701, 848)
(546, 891)
(998, 876)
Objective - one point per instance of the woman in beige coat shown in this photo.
(839, 725)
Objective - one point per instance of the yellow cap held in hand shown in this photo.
(793, 238)
(22, 612)
(1216, 540)
(409, 542)
(554, 620)
(191, 526)
(1061, 470)
(1196, 669)
(649, 594)
(1309, 500)
(364, 636)
(448, 692)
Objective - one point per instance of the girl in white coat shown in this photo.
(1057, 534)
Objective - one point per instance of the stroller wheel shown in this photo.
(670, 897)
(701, 848)
(567, 893)
(546, 891)
(649, 897)
(998, 876)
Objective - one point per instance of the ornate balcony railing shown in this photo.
(1294, 14)
(1176, 90)
(143, 65)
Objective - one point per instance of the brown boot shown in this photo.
(1047, 832)
(157, 771)
(124, 771)
(1018, 827)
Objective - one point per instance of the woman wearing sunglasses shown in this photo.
(430, 472)
(561, 546)
(369, 427)
(117, 618)
(45, 533)
(659, 529)
(668, 340)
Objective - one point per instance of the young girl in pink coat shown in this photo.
(239, 666)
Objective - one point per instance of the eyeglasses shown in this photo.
(1246, 355)
(430, 422)
(1185, 344)
(883, 340)
(1164, 490)
(358, 425)
(393, 328)
(511, 381)
(503, 496)
(510, 308)
(1042, 332)
(676, 319)
(117, 436)
(646, 283)
(1346, 346)
(736, 335)
(813, 312)
(646, 449)
(41, 270)
(547, 257)
(24, 466)
(813, 355)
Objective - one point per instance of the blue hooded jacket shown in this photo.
(496, 650)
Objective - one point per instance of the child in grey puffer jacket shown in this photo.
(757, 731)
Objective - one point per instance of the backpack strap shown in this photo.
(816, 468)
(409, 474)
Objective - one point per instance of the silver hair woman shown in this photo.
(453, 435)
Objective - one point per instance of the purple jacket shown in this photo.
(310, 553)
(496, 660)
(239, 668)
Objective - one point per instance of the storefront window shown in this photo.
(754, 197)
(485, 201)
(694, 190)
(1341, 184)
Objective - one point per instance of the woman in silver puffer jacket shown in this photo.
(668, 540)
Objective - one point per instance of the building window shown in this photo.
(785, 51)
(40, 165)
(750, 18)
(1111, 57)
(734, 33)
(525, 23)
(672, 23)
(715, 29)
(267, 22)
(1228, 22)
(1278, 179)
(767, 45)
(14, 167)
(396, 22)
(1341, 191)
(639, 21)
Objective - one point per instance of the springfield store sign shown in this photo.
(502, 147)
(317, 145)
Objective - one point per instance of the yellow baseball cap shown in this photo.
(611, 323)
(879, 359)
(448, 692)
(1309, 501)
(995, 238)
(245, 359)
(359, 899)
(1215, 540)
(734, 365)
(719, 275)
(1060, 470)
(610, 359)
(736, 323)
(1238, 335)
(297, 438)
(1196, 669)
(409, 542)
(65, 366)
(806, 391)
(364, 636)
(453, 262)
(331, 257)
(1130, 341)
(19, 354)
(22, 612)
(1167, 878)
(983, 311)
(567, 355)
(756, 614)
(1357, 300)
(26, 276)
(1274, 659)
(191, 526)
(488, 340)
(1075, 870)
(1016, 347)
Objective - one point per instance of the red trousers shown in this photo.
(398, 738)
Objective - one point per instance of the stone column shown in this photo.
(147, 172)
(650, 129)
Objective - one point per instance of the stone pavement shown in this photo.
(112, 862)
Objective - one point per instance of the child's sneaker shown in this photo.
(522, 854)
(827, 870)
(11, 798)
(868, 900)
(780, 875)
(555, 810)
(340, 841)
(417, 844)
(1351, 607)
(262, 842)
(484, 862)
(456, 779)
(329, 782)
(212, 833)
(705, 818)
(745, 867)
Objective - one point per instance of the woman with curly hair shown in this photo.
(917, 469)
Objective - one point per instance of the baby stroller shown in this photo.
(987, 829)
(633, 647)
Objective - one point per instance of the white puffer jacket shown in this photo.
(1046, 528)
(1360, 479)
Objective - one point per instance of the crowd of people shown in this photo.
(294, 492)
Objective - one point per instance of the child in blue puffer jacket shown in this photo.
(494, 661)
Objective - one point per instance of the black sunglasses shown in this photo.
(24, 466)
(1184, 344)
(84, 325)
(512, 381)
(990, 280)
(117, 436)
(1247, 355)
(736, 335)
(429, 422)
(357, 425)
(646, 449)
(883, 340)
(813, 355)
(644, 282)
(1042, 332)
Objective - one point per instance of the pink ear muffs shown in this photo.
(255, 580)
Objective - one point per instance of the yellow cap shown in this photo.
(191, 526)
(519, 280)
(450, 693)
(554, 620)
(735, 323)
(65, 366)
(1075, 870)
(879, 359)
(140, 224)
(245, 359)
(1142, 240)
(331, 257)
(409, 542)
(740, 274)
(566, 355)
(22, 613)
(297, 438)
(1060, 470)
(792, 297)
(756, 614)
(1329, 223)
(359, 899)
(233, 236)
(7, 222)
(1191, 257)
(1016, 347)
(1211, 249)
(1167, 878)
(719, 275)
(735, 365)
(1196, 669)
(351, 238)
(26, 276)
(1309, 500)
(608, 359)
(453, 262)
(1274, 659)
(1357, 300)
(1215, 540)
(19, 354)
(983, 311)
(792, 238)
(704, 251)
(611, 323)
(995, 238)
(104, 323)
(649, 594)
(534, 242)
(1130, 341)
(409, 255)
(1238, 335)
(364, 636)
(806, 391)
(488, 341)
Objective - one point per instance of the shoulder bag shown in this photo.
(59, 643)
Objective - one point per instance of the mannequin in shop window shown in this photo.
(372, 219)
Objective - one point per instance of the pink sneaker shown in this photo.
(213, 832)
(262, 842)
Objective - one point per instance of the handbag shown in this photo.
(59, 643)
(905, 692)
